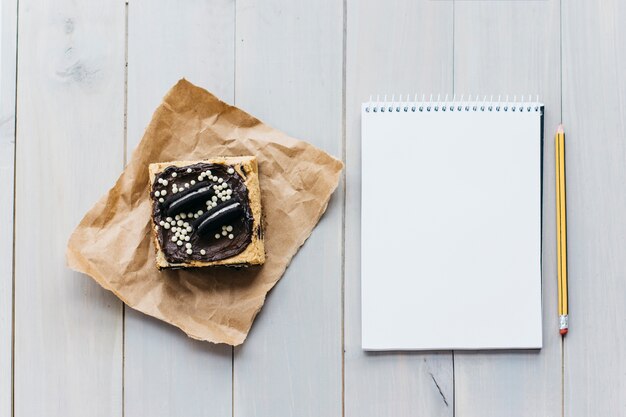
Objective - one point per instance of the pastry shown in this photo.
(206, 213)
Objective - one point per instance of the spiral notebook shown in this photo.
(451, 225)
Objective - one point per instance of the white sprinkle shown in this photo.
(192, 182)
(188, 245)
(161, 222)
(188, 169)
(174, 175)
(228, 198)
(220, 179)
(186, 224)
(200, 212)
(164, 182)
(187, 238)
(177, 217)
(189, 214)
(223, 227)
(224, 232)
(161, 200)
(179, 223)
(202, 252)
(157, 193)
(215, 187)
(156, 227)
(208, 172)
(214, 198)
(189, 251)
(183, 216)
(217, 236)
(231, 171)
(200, 177)
(173, 223)
(229, 228)
(166, 225)
(231, 236)
(179, 243)
(189, 229)
(160, 180)
(195, 216)
(163, 192)
(168, 219)
(174, 238)
(229, 192)
(223, 198)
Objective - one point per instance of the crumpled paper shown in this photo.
(113, 245)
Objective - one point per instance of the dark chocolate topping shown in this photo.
(193, 199)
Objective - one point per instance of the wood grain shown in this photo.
(514, 48)
(394, 47)
(283, 61)
(70, 136)
(594, 91)
(8, 46)
(289, 74)
(167, 373)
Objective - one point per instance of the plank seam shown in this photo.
(125, 159)
(343, 207)
(17, 32)
(453, 92)
(561, 53)
(453, 44)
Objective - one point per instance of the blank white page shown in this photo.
(451, 230)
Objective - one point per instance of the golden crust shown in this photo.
(254, 254)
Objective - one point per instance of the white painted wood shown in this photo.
(70, 136)
(8, 46)
(289, 74)
(168, 41)
(166, 373)
(394, 47)
(68, 351)
(513, 47)
(594, 90)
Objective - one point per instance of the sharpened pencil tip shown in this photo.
(559, 129)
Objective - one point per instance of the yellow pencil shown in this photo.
(561, 229)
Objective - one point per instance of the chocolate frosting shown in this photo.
(216, 249)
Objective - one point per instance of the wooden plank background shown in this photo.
(69, 151)
(80, 81)
(594, 58)
(166, 373)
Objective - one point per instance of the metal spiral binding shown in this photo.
(435, 105)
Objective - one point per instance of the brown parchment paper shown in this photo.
(112, 243)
